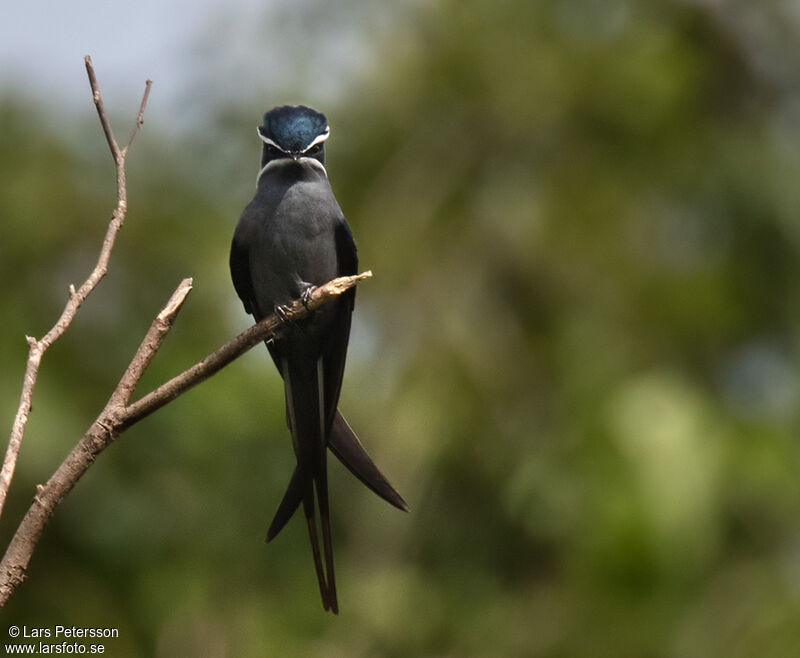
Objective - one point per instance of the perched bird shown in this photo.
(290, 238)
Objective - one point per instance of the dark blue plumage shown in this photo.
(291, 237)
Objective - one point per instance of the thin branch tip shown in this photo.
(176, 301)
(140, 115)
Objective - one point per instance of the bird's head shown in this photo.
(293, 133)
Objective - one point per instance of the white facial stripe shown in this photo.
(278, 162)
(319, 139)
(314, 163)
(267, 140)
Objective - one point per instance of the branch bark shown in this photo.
(37, 347)
(118, 415)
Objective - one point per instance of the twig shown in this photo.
(139, 116)
(37, 348)
(118, 415)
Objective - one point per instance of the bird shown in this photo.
(291, 238)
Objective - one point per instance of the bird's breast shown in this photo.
(296, 242)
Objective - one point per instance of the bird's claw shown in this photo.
(282, 311)
(305, 296)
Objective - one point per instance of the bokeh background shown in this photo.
(577, 359)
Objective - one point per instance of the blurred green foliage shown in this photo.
(578, 359)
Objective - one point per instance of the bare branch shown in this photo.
(82, 455)
(116, 417)
(269, 328)
(37, 348)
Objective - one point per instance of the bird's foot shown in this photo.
(305, 296)
(282, 311)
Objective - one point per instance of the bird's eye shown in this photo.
(315, 151)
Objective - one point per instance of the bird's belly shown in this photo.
(291, 258)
